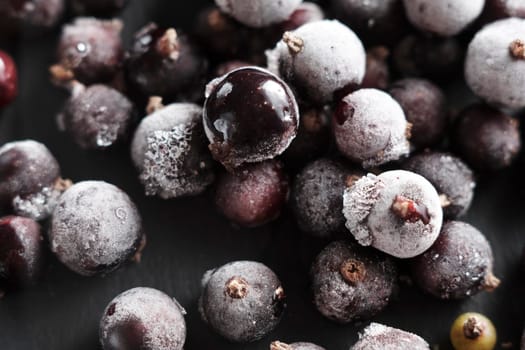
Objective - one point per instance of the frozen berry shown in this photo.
(96, 116)
(254, 195)
(377, 74)
(8, 79)
(95, 228)
(486, 138)
(21, 252)
(277, 345)
(89, 51)
(425, 107)
(242, 301)
(397, 212)
(33, 14)
(229, 66)
(250, 115)
(378, 336)
(370, 128)
(169, 149)
(443, 17)
(317, 197)
(458, 265)
(306, 12)
(143, 318)
(319, 59)
(98, 8)
(473, 331)
(452, 178)
(495, 63)
(258, 13)
(351, 283)
(164, 62)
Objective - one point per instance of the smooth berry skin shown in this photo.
(8, 79)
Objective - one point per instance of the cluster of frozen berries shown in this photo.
(289, 92)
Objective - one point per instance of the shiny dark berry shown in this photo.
(95, 228)
(425, 107)
(143, 318)
(452, 178)
(32, 14)
(277, 345)
(258, 13)
(486, 138)
(352, 283)
(8, 79)
(378, 336)
(254, 195)
(89, 50)
(250, 115)
(377, 74)
(97, 116)
(164, 62)
(21, 252)
(458, 265)
(242, 301)
(98, 8)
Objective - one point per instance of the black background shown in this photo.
(186, 237)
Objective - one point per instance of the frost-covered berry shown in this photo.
(443, 17)
(143, 318)
(378, 336)
(277, 345)
(397, 212)
(495, 63)
(319, 59)
(242, 301)
(258, 13)
(95, 228)
(169, 149)
(370, 128)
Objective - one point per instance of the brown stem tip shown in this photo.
(491, 282)
(237, 287)
(517, 49)
(295, 44)
(168, 44)
(353, 271)
(410, 211)
(154, 104)
(277, 345)
(473, 328)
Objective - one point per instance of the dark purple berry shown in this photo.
(250, 115)
(229, 66)
(89, 51)
(351, 283)
(143, 318)
(97, 116)
(378, 336)
(8, 79)
(452, 178)
(486, 138)
(95, 228)
(277, 345)
(377, 74)
(254, 195)
(458, 265)
(497, 9)
(98, 8)
(164, 62)
(425, 107)
(306, 12)
(32, 14)
(242, 301)
(258, 13)
(21, 252)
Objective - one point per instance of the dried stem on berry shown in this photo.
(473, 328)
(353, 271)
(277, 345)
(491, 282)
(517, 49)
(409, 210)
(168, 44)
(237, 287)
(295, 44)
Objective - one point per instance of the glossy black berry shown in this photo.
(32, 14)
(95, 228)
(254, 195)
(8, 79)
(425, 107)
(378, 336)
(351, 283)
(98, 8)
(97, 116)
(458, 265)
(21, 252)
(277, 345)
(377, 74)
(486, 138)
(250, 115)
(242, 301)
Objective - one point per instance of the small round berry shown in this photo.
(443, 17)
(250, 115)
(351, 283)
(370, 128)
(397, 212)
(320, 59)
(21, 252)
(98, 8)
(143, 318)
(89, 50)
(377, 74)
(473, 331)
(258, 13)
(242, 301)
(452, 178)
(8, 79)
(458, 265)
(277, 345)
(254, 195)
(32, 14)
(95, 228)
(495, 63)
(378, 336)
(486, 138)
(425, 107)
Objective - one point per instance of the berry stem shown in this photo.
(295, 44)
(277, 345)
(237, 287)
(491, 282)
(410, 211)
(352, 271)
(154, 104)
(168, 44)
(517, 49)
(473, 328)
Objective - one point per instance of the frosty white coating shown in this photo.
(258, 13)
(380, 337)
